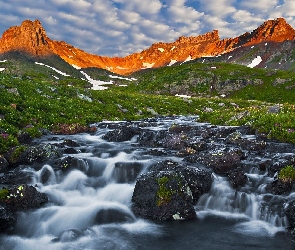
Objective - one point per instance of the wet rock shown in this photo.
(221, 161)
(70, 143)
(70, 163)
(198, 179)
(151, 138)
(234, 137)
(71, 151)
(32, 154)
(290, 213)
(127, 172)
(279, 187)
(16, 176)
(24, 197)
(113, 215)
(163, 196)
(124, 133)
(237, 178)
(169, 191)
(45, 175)
(3, 164)
(7, 219)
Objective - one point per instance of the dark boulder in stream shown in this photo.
(169, 191)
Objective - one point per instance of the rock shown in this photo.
(7, 219)
(113, 215)
(279, 187)
(3, 164)
(276, 109)
(198, 179)
(290, 213)
(16, 176)
(124, 133)
(24, 137)
(127, 172)
(169, 191)
(24, 197)
(32, 154)
(237, 178)
(221, 161)
(70, 163)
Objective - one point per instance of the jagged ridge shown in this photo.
(30, 38)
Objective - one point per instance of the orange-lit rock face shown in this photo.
(31, 38)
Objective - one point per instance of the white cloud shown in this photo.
(221, 9)
(288, 8)
(259, 5)
(144, 7)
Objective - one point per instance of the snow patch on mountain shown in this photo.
(187, 59)
(3, 61)
(172, 62)
(56, 70)
(123, 78)
(161, 49)
(148, 65)
(97, 84)
(75, 66)
(255, 62)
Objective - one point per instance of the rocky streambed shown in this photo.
(152, 184)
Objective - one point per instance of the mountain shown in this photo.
(30, 39)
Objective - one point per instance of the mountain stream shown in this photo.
(90, 208)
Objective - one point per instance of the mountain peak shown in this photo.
(277, 30)
(29, 37)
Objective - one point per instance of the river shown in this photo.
(90, 208)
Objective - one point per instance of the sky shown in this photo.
(122, 27)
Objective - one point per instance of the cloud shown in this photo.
(222, 9)
(259, 5)
(149, 7)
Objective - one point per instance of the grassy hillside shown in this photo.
(33, 99)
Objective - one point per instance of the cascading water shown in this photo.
(90, 207)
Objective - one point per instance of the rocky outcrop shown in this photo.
(30, 37)
(169, 191)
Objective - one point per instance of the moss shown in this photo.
(164, 193)
(4, 193)
(287, 174)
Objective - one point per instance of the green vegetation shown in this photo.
(164, 193)
(287, 174)
(4, 192)
(32, 99)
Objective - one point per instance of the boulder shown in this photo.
(124, 133)
(221, 161)
(237, 178)
(113, 215)
(70, 163)
(32, 154)
(279, 187)
(169, 191)
(24, 197)
(290, 214)
(3, 164)
(7, 219)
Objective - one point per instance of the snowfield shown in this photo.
(255, 62)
